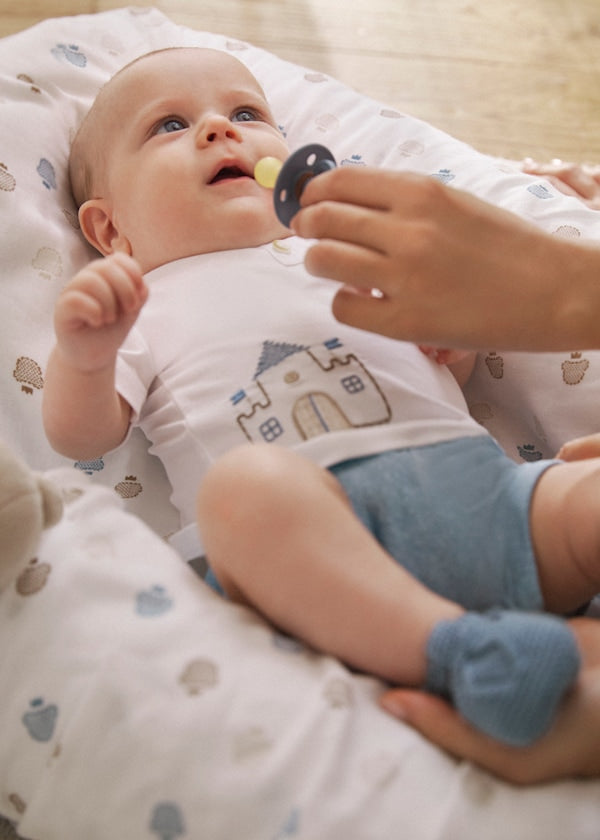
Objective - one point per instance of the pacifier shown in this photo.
(288, 180)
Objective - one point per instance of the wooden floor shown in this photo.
(512, 77)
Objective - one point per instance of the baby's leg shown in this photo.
(565, 527)
(280, 534)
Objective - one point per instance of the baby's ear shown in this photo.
(95, 220)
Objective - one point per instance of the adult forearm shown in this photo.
(576, 322)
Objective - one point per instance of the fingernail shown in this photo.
(394, 707)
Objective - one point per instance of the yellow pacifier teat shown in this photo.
(266, 171)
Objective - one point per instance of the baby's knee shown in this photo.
(254, 483)
(241, 481)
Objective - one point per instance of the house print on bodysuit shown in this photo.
(301, 392)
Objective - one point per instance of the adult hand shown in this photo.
(580, 180)
(580, 448)
(571, 748)
(448, 268)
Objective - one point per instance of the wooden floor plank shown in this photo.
(511, 78)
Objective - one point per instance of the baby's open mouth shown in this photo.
(228, 173)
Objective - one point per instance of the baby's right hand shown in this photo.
(96, 310)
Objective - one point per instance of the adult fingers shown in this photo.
(442, 725)
(581, 448)
(344, 222)
(358, 185)
(345, 262)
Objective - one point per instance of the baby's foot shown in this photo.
(505, 672)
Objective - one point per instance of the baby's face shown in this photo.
(185, 130)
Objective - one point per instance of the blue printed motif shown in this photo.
(288, 644)
(445, 176)
(46, 172)
(540, 191)
(291, 826)
(528, 452)
(153, 602)
(90, 467)
(274, 352)
(355, 160)
(40, 720)
(167, 821)
(70, 53)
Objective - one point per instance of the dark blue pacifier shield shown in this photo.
(297, 171)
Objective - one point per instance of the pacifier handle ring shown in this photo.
(301, 166)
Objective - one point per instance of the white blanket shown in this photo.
(133, 702)
(142, 705)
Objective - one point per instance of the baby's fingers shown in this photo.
(125, 277)
(101, 293)
(77, 309)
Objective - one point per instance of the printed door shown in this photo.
(317, 413)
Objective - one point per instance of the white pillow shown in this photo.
(50, 75)
(136, 703)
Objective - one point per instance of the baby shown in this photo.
(323, 453)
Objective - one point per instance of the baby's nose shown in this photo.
(218, 127)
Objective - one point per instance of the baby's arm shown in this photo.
(460, 363)
(84, 416)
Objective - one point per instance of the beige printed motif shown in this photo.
(129, 488)
(391, 114)
(236, 46)
(568, 232)
(48, 263)
(411, 148)
(250, 742)
(327, 122)
(7, 181)
(480, 412)
(495, 365)
(29, 374)
(33, 578)
(338, 693)
(315, 78)
(199, 676)
(574, 369)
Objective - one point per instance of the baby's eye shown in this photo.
(245, 115)
(170, 125)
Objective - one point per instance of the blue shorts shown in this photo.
(456, 515)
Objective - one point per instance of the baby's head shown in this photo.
(162, 166)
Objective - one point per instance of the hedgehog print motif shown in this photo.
(29, 374)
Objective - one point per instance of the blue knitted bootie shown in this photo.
(506, 672)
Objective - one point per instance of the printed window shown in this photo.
(271, 429)
(353, 384)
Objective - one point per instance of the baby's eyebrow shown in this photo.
(142, 119)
